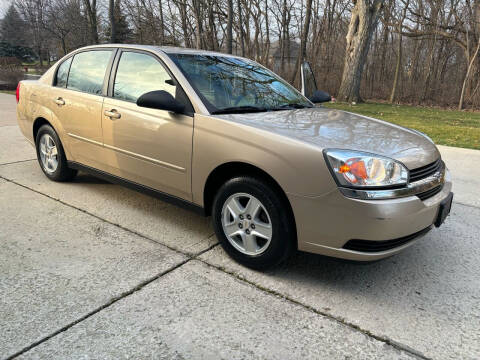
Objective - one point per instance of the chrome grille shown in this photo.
(425, 171)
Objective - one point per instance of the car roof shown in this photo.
(165, 49)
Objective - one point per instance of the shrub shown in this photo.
(10, 75)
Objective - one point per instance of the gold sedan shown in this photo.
(226, 137)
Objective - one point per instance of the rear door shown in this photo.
(148, 146)
(78, 94)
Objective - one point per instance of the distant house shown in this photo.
(290, 55)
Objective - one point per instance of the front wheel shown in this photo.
(253, 223)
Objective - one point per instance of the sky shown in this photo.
(4, 4)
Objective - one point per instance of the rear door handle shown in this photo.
(112, 114)
(59, 101)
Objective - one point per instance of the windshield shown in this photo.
(227, 84)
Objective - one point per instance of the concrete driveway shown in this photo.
(92, 270)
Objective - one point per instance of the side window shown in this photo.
(88, 71)
(62, 73)
(138, 74)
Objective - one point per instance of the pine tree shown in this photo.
(13, 28)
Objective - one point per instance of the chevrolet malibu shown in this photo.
(225, 136)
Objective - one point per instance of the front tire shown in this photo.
(253, 223)
(51, 156)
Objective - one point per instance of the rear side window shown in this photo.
(88, 71)
(138, 74)
(62, 73)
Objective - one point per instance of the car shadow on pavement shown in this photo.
(425, 268)
(85, 178)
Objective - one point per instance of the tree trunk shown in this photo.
(362, 25)
(91, 10)
(283, 35)
(397, 69)
(198, 17)
(113, 25)
(399, 53)
(303, 46)
(230, 26)
(162, 23)
(470, 66)
(211, 27)
(183, 16)
(240, 28)
(267, 35)
(64, 46)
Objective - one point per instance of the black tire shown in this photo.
(283, 238)
(62, 172)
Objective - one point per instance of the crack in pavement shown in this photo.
(98, 309)
(344, 322)
(110, 303)
(397, 345)
(105, 220)
(467, 205)
(16, 162)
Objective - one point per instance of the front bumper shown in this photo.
(326, 223)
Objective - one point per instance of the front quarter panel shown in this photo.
(297, 167)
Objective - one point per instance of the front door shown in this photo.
(148, 146)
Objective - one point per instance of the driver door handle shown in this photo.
(59, 101)
(112, 114)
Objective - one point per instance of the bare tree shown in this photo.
(113, 25)
(91, 10)
(469, 69)
(362, 25)
(399, 52)
(303, 47)
(33, 14)
(422, 51)
(230, 26)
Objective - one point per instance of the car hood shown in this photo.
(328, 128)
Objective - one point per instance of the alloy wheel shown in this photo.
(246, 224)
(48, 153)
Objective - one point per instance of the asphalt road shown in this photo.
(92, 270)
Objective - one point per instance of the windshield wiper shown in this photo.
(239, 109)
(292, 106)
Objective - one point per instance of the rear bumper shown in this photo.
(327, 223)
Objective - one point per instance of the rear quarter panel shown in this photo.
(297, 167)
(36, 100)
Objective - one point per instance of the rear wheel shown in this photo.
(51, 156)
(253, 223)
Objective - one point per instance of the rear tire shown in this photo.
(253, 223)
(51, 156)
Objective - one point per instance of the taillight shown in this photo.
(18, 93)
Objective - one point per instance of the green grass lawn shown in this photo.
(445, 127)
(12, 92)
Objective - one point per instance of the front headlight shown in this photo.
(362, 170)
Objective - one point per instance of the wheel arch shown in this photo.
(229, 170)
(37, 124)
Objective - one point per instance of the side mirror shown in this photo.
(160, 99)
(319, 96)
